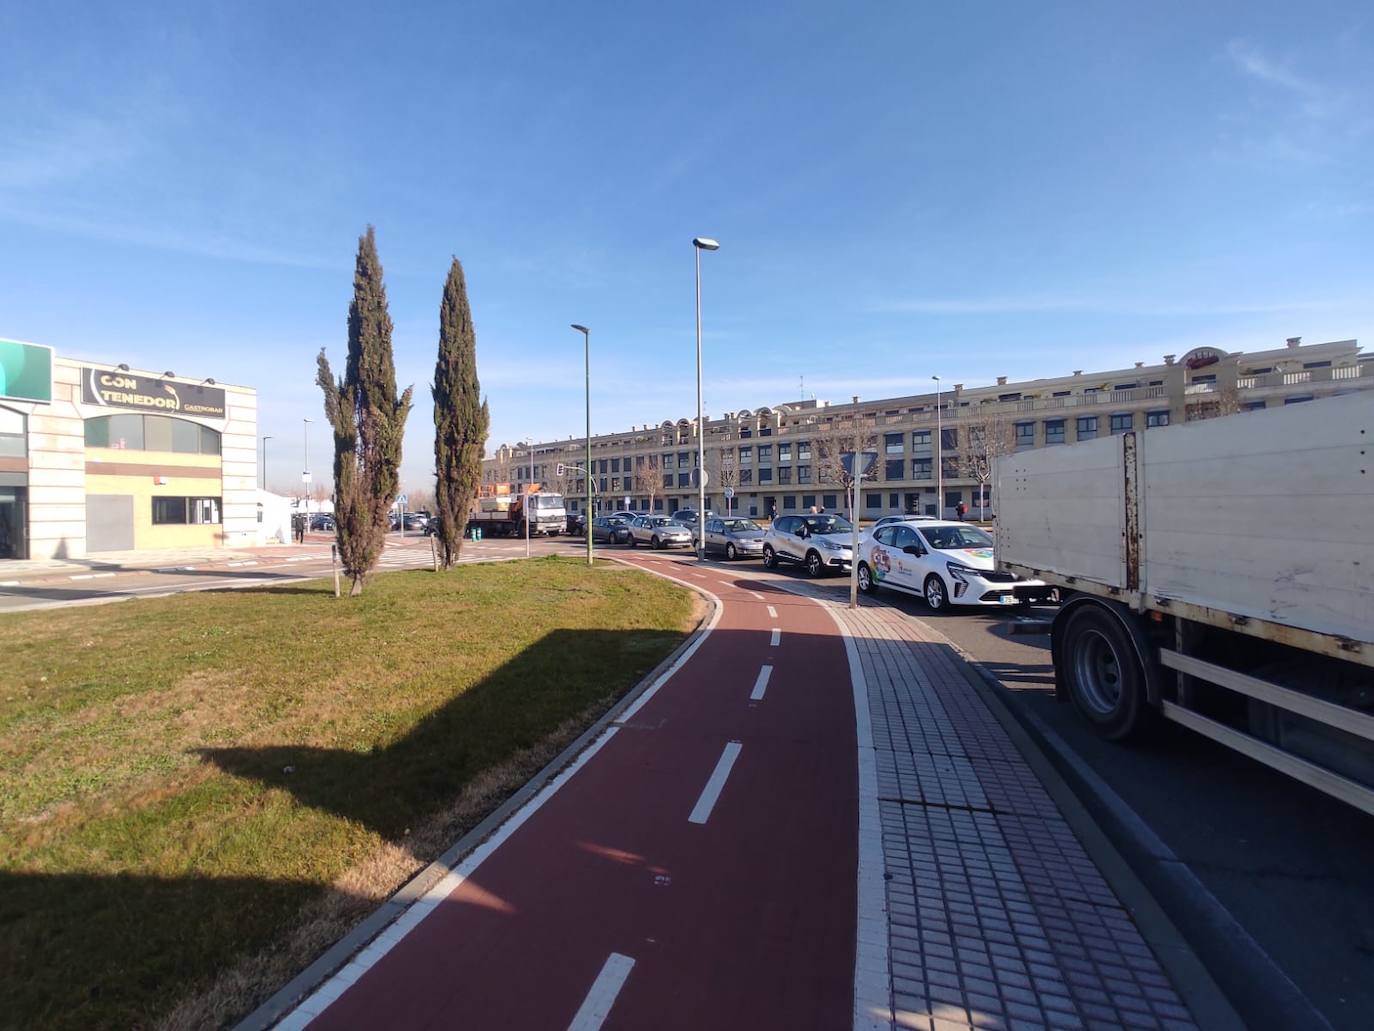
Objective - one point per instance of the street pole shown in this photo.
(529, 497)
(700, 244)
(305, 469)
(854, 527)
(587, 473)
(939, 456)
(264, 461)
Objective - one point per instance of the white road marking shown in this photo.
(761, 684)
(756, 597)
(772, 612)
(777, 636)
(89, 576)
(701, 812)
(596, 1007)
(237, 565)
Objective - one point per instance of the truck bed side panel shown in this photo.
(1062, 509)
(1266, 514)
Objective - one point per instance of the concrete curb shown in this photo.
(334, 958)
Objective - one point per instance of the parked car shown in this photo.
(628, 516)
(688, 517)
(659, 532)
(612, 529)
(734, 538)
(576, 524)
(821, 543)
(946, 562)
(909, 518)
(322, 521)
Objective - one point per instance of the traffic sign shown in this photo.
(729, 493)
(401, 500)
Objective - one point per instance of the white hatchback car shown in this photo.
(947, 563)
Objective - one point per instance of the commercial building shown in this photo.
(100, 458)
(784, 458)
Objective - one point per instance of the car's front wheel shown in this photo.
(770, 558)
(730, 553)
(866, 582)
(630, 540)
(815, 568)
(937, 596)
(655, 543)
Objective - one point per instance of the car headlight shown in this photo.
(962, 573)
(830, 545)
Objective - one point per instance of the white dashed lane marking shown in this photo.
(701, 812)
(761, 684)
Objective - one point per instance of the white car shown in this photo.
(659, 532)
(947, 563)
(821, 543)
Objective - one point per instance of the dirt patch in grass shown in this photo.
(207, 790)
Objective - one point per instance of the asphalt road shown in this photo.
(1292, 866)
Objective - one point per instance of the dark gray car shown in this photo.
(734, 537)
(611, 529)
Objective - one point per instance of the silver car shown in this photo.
(734, 537)
(659, 532)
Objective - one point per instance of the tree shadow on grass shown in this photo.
(118, 950)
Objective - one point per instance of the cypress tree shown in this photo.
(460, 416)
(368, 419)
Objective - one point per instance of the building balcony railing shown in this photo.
(1298, 376)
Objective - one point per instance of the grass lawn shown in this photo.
(199, 793)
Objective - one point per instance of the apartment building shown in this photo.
(782, 458)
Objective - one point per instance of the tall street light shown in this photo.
(305, 465)
(699, 244)
(939, 458)
(264, 461)
(587, 472)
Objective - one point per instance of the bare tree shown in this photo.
(648, 478)
(988, 435)
(722, 468)
(836, 442)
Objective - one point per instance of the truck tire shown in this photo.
(1103, 674)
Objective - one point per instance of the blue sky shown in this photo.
(899, 190)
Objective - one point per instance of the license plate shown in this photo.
(1007, 599)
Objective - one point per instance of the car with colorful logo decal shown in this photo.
(946, 562)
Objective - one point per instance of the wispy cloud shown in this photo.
(1254, 62)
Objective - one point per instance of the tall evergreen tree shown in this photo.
(460, 416)
(368, 420)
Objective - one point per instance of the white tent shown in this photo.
(274, 518)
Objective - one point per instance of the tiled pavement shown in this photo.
(997, 918)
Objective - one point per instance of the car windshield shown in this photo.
(673, 524)
(950, 538)
(827, 524)
(740, 525)
(658, 521)
(548, 501)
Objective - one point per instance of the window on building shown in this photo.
(615, 465)
(1160, 418)
(666, 461)
(765, 453)
(684, 479)
(1054, 431)
(892, 443)
(746, 476)
(784, 452)
(684, 459)
(1087, 427)
(1262, 372)
(639, 461)
(874, 501)
(766, 475)
(185, 511)
(953, 497)
(789, 501)
(1316, 365)
(746, 454)
(1025, 434)
(1297, 399)
(951, 467)
(615, 483)
(808, 501)
(604, 487)
(894, 468)
(920, 468)
(784, 474)
(949, 438)
(658, 504)
(892, 500)
(920, 442)
(803, 451)
(12, 439)
(152, 433)
(1123, 422)
(828, 502)
(1125, 386)
(1210, 377)
(912, 500)
(667, 479)
(803, 474)
(1253, 406)
(1061, 393)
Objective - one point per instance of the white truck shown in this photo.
(503, 513)
(1219, 574)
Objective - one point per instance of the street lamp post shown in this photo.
(939, 457)
(529, 494)
(305, 468)
(699, 244)
(264, 461)
(587, 473)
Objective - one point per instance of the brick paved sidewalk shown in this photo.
(996, 917)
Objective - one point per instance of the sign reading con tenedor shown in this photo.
(114, 388)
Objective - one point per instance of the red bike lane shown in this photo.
(697, 871)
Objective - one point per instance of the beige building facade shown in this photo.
(119, 459)
(924, 453)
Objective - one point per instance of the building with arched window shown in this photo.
(100, 459)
